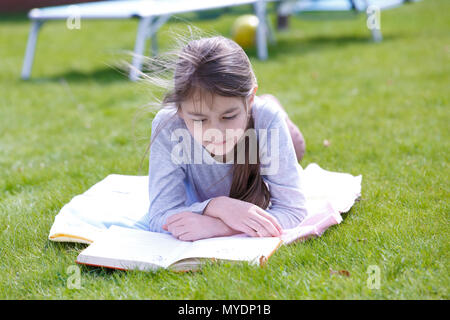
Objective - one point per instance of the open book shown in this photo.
(111, 217)
(132, 249)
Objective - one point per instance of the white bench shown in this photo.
(152, 14)
(288, 7)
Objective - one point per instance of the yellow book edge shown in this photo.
(69, 237)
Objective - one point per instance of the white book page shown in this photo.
(297, 233)
(134, 249)
(238, 247)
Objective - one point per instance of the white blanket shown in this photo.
(122, 200)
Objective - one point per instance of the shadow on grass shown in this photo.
(102, 75)
(68, 247)
(16, 17)
(64, 246)
(355, 209)
(283, 47)
(300, 46)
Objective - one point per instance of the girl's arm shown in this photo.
(282, 173)
(244, 217)
(167, 191)
(190, 226)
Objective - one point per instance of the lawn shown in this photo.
(384, 107)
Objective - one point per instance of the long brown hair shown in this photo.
(217, 65)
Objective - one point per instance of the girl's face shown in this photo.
(215, 121)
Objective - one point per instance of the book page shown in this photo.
(133, 249)
(312, 226)
(238, 247)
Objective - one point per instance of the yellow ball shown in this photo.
(244, 30)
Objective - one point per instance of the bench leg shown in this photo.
(139, 47)
(31, 45)
(261, 31)
(376, 35)
(373, 16)
(152, 32)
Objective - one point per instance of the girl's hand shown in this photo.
(244, 216)
(189, 226)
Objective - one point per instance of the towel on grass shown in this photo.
(122, 200)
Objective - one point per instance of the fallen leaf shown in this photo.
(344, 273)
(340, 272)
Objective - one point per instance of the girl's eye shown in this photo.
(229, 118)
(199, 120)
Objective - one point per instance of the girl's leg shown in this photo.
(296, 135)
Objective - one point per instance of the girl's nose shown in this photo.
(219, 127)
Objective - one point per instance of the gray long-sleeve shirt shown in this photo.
(183, 176)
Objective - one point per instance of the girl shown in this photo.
(195, 191)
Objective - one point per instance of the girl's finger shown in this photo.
(176, 231)
(175, 226)
(260, 230)
(173, 218)
(269, 228)
(271, 219)
(248, 230)
(188, 236)
(176, 217)
(179, 233)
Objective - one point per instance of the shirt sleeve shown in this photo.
(167, 191)
(282, 174)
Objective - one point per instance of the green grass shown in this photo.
(383, 106)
